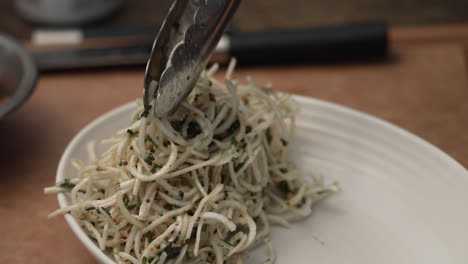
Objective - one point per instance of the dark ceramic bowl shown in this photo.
(18, 75)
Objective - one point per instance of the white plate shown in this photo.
(402, 199)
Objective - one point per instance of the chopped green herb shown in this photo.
(204, 227)
(227, 242)
(187, 241)
(174, 217)
(283, 186)
(67, 184)
(90, 208)
(285, 143)
(149, 158)
(105, 210)
(239, 166)
(175, 240)
(149, 237)
(130, 206)
(200, 179)
(172, 252)
(234, 141)
(152, 151)
(120, 163)
(144, 260)
(178, 124)
(234, 158)
(154, 168)
(152, 141)
(145, 112)
(130, 132)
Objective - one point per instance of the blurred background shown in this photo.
(421, 87)
(120, 32)
(256, 15)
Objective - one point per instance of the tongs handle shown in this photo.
(188, 36)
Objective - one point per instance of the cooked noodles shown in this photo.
(201, 186)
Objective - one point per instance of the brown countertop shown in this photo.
(423, 89)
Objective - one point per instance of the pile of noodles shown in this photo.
(201, 186)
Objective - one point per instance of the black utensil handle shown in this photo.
(322, 44)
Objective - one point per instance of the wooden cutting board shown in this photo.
(422, 88)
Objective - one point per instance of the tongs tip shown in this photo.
(180, 53)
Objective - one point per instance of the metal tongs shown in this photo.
(188, 36)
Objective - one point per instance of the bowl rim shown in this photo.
(104, 258)
(28, 80)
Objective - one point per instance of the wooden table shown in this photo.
(422, 88)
